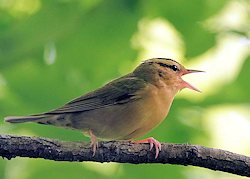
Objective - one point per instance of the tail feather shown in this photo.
(20, 119)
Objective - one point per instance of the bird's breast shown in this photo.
(130, 120)
(158, 103)
(152, 109)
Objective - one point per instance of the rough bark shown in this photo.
(124, 152)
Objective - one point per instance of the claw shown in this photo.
(94, 142)
(152, 142)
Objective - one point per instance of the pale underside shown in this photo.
(121, 112)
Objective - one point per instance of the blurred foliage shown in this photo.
(53, 51)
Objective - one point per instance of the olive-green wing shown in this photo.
(116, 92)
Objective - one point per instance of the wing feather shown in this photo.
(119, 91)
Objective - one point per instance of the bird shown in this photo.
(124, 109)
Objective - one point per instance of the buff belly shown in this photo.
(124, 121)
(120, 122)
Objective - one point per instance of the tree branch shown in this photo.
(124, 152)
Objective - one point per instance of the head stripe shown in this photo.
(168, 59)
(172, 67)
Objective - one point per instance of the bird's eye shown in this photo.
(172, 67)
(175, 68)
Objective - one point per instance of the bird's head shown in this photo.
(168, 71)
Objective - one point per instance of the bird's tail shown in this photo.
(20, 119)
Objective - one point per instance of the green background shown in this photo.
(54, 50)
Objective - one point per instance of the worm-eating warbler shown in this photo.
(125, 108)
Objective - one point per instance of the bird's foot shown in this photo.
(94, 142)
(152, 142)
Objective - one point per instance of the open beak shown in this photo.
(185, 84)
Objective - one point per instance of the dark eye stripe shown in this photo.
(172, 67)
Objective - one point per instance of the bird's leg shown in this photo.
(152, 142)
(94, 142)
